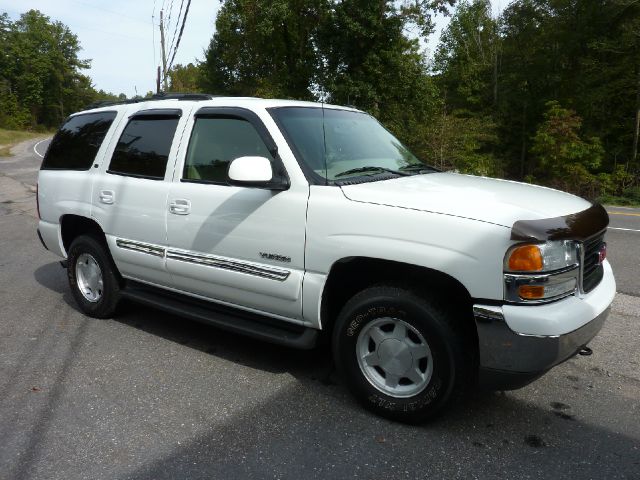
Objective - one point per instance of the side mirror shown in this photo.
(252, 172)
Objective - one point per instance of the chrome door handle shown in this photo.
(180, 206)
(107, 196)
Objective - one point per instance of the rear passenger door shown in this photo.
(130, 195)
(236, 245)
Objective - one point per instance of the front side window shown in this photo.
(143, 148)
(338, 144)
(215, 142)
(76, 144)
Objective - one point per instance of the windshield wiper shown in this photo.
(369, 169)
(418, 168)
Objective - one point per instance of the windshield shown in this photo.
(353, 143)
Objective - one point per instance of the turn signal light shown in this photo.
(526, 258)
(531, 292)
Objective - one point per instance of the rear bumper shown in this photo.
(514, 349)
(49, 234)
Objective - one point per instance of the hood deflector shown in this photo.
(577, 226)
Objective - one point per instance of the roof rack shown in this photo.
(157, 96)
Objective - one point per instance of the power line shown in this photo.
(153, 38)
(113, 12)
(173, 38)
(153, 31)
(184, 20)
(169, 16)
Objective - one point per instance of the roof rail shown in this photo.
(157, 96)
(183, 96)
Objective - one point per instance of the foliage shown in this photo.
(548, 91)
(564, 159)
(40, 72)
(185, 78)
(585, 55)
(265, 48)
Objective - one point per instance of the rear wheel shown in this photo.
(92, 277)
(401, 354)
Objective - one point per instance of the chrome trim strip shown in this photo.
(141, 247)
(223, 263)
(512, 282)
(208, 260)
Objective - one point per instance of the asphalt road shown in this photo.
(150, 396)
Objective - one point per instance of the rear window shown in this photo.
(76, 144)
(143, 148)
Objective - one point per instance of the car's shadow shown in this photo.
(314, 422)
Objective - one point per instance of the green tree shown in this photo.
(564, 158)
(185, 78)
(264, 48)
(369, 62)
(40, 70)
(467, 58)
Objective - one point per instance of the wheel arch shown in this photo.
(351, 275)
(72, 226)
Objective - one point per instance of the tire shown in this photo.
(401, 331)
(101, 293)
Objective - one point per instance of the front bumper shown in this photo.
(518, 344)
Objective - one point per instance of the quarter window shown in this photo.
(76, 144)
(143, 148)
(215, 142)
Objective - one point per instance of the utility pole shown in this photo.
(158, 81)
(164, 55)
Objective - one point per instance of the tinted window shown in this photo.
(75, 145)
(143, 148)
(215, 142)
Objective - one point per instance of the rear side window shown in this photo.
(76, 144)
(216, 141)
(143, 148)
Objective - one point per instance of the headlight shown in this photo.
(544, 257)
(537, 272)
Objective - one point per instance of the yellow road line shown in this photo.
(625, 214)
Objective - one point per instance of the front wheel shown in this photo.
(92, 277)
(400, 354)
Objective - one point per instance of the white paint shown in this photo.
(456, 224)
(35, 147)
(501, 202)
(564, 316)
(250, 169)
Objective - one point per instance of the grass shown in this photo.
(619, 201)
(10, 138)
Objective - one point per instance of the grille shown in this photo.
(592, 271)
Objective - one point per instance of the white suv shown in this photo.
(294, 221)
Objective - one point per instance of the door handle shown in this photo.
(180, 206)
(107, 196)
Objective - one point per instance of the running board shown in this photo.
(234, 320)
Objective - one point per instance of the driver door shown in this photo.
(235, 245)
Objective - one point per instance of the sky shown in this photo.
(123, 41)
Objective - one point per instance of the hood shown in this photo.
(501, 202)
